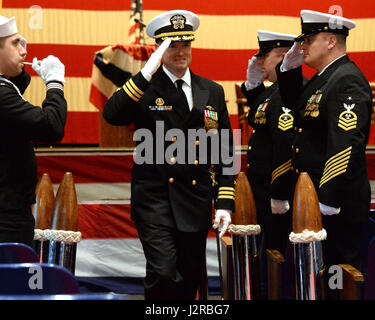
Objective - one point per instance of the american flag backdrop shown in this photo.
(74, 30)
(77, 30)
(136, 32)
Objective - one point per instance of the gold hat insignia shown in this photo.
(178, 21)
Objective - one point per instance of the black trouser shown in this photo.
(17, 226)
(174, 262)
(276, 231)
(343, 245)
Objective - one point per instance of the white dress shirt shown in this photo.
(186, 86)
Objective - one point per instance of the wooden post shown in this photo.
(274, 262)
(245, 209)
(115, 136)
(227, 263)
(62, 250)
(306, 211)
(43, 214)
(45, 198)
(66, 206)
(352, 282)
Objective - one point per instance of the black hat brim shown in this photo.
(302, 36)
(262, 52)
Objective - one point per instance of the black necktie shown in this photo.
(179, 83)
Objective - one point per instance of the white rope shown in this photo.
(57, 235)
(244, 229)
(307, 236)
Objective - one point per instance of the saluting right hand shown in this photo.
(254, 74)
(153, 63)
(293, 58)
(49, 69)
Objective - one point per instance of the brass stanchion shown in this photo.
(64, 236)
(43, 214)
(307, 236)
(244, 229)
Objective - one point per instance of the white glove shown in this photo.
(293, 58)
(153, 62)
(254, 74)
(327, 210)
(222, 221)
(49, 69)
(279, 206)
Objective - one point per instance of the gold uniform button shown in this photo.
(171, 180)
(297, 150)
(297, 171)
(174, 139)
(292, 147)
(248, 165)
(253, 130)
(295, 128)
(300, 130)
(249, 147)
(194, 182)
(196, 162)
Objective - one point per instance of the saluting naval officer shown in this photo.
(21, 123)
(171, 201)
(269, 150)
(333, 113)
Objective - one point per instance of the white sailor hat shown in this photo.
(8, 27)
(314, 22)
(268, 40)
(179, 25)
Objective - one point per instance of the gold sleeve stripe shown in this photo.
(336, 165)
(135, 87)
(286, 164)
(333, 165)
(333, 162)
(129, 93)
(225, 197)
(334, 174)
(337, 155)
(134, 92)
(281, 173)
(226, 188)
(281, 170)
(229, 193)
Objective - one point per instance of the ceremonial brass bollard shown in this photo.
(307, 236)
(43, 214)
(64, 235)
(244, 229)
